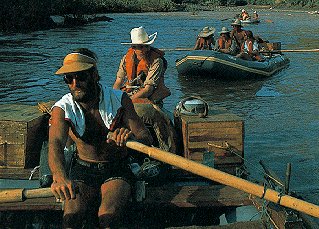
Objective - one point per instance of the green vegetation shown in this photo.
(26, 15)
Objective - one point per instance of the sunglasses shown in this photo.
(139, 46)
(79, 76)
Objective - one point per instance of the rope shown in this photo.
(230, 149)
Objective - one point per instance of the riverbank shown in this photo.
(21, 18)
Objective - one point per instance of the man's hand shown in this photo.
(120, 136)
(63, 189)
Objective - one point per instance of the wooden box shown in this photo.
(22, 131)
(215, 129)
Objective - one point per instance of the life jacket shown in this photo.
(224, 44)
(137, 72)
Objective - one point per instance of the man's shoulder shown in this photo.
(67, 98)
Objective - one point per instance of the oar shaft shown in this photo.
(225, 178)
(298, 50)
(273, 51)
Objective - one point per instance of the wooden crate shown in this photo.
(22, 131)
(219, 127)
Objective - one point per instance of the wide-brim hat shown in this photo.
(140, 37)
(224, 30)
(206, 31)
(237, 22)
(76, 62)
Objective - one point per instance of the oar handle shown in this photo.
(37, 193)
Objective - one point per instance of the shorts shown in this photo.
(95, 177)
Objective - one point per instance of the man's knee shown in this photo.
(106, 220)
(72, 220)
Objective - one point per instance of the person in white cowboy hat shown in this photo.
(237, 34)
(100, 173)
(141, 70)
(224, 43)
(205, 39)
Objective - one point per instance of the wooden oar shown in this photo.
(273, 51)
(298, 50)
(18, 195)
(177, 49)
(226, 179)
(269, 21)
(290, 50)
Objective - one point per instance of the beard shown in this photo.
(83, 94)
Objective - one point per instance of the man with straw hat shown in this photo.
(237, 34)
(141, 70)
(205, 38)
(99, 174)
(224, 43)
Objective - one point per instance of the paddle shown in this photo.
(196, 168)
(177, 49)
(298, 50)
(273, 51)
(269, 21)
(291, 50)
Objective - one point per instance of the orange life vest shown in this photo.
(137, 71)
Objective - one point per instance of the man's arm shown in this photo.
(120, 76)
(61, 187)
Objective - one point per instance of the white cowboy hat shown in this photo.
(140, 37)
(224, 30)
(206, 31)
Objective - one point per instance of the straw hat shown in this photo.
(76, 62)
(206, 31)
(224, 30)
(237, 22)
(140, 37)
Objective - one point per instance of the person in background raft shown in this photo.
(205, 39)
(250, 48)
(244, 15)
(100, 175)
(255, 15)
(237, 34)
(224, 43)
(141, 70)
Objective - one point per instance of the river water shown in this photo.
(280, 112)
